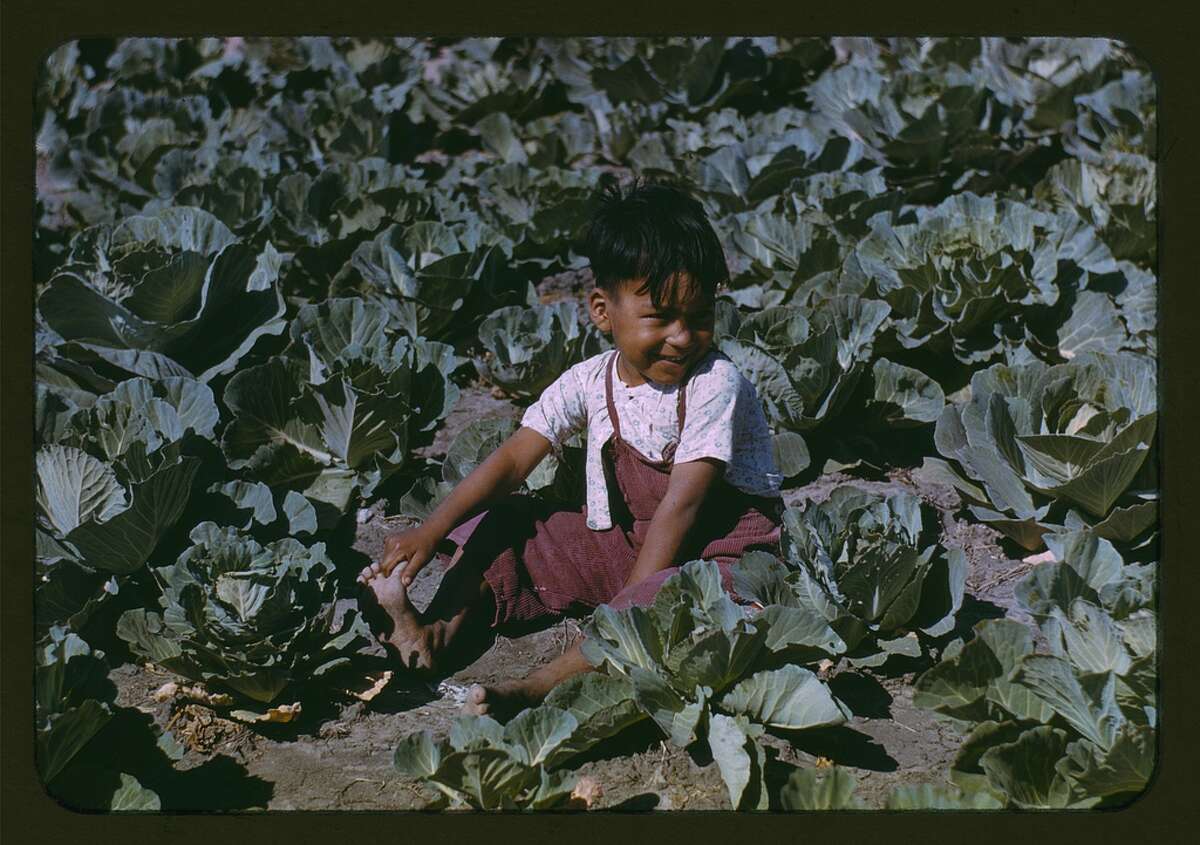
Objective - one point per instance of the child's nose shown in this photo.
(680, 335)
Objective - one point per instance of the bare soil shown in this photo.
(338, 754)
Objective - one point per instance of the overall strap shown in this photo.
(681, 405)
(608, 395)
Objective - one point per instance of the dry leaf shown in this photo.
(197, 693)
(378, 682)
(1043, 557)
(282, 713)
(824, 763)
(587, 792)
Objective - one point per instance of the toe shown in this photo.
(476, 700)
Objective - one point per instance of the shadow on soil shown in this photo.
(864, 695)
(844, 746)
(128, 745)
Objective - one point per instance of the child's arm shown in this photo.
(499, 474)
(676, 514)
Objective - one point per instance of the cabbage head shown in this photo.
(805, 365)
(117, 478)
(340, 411)
(240, 615)
(974, 277)
(1038, 447)
(174, 293)
(528, 348)
(871, 566)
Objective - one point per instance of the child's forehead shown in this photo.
(679, 291)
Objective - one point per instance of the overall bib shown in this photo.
(547, 563)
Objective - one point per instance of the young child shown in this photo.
(679, 465)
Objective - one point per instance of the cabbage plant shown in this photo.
(690, 657)
(340, 411)
(1040, 446)
(871, 567)
(557, 477)
(488, 766)
(117, 478)
(1072, 725)
(74, 699)
(528, 348)
(805, 366)
(433, 279)
(169, 294)
(254, 619)
(974, 277)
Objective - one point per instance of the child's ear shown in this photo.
(598, 302)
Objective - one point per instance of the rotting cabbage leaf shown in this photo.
(240, 615)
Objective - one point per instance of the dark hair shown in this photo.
(653, 231)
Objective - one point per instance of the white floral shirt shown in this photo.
(723, 419)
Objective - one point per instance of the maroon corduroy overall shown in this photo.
(548, 563)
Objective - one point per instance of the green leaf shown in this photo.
(1025, 770)
(603, 705)
(131, 796)
(537, 732)
(791, 453)
(473, 444)
(791, 698)
(126, 540)
(1087, 702)
(1094, 326)
(928, 796)
(67, 734)
(417, 755)
(820, 789)
(678, 718)
(739, 759)
(74, 488)
(1090, 639)
(1125, 768)
(904, 397)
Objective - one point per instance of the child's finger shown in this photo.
(414, 565)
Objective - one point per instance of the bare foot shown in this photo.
(398, 625)
(502, 701)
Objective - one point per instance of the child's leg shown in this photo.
(504, 700)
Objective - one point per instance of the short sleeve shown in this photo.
(561, 410)
(710, 419)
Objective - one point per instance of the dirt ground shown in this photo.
(338, 754)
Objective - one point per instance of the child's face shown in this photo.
(658, 344)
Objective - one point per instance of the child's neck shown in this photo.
(632, 378)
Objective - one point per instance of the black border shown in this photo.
(29, 29)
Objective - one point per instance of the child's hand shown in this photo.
(415, 547)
